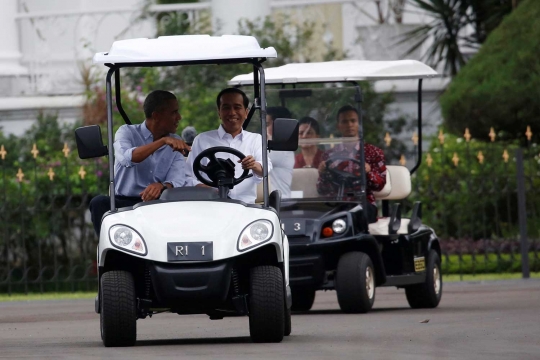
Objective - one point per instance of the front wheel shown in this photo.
(266, 304)
(429, 293)
(118, 316)
(355, 282)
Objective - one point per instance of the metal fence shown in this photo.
(469, 192)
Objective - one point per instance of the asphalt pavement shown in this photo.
(483, 320)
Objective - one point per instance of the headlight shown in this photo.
(126, 238)
(255, 234)
(339, 226)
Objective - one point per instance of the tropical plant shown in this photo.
(449, 31)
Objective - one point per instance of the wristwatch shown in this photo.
(164, 187)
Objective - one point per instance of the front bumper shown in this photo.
(201, 285)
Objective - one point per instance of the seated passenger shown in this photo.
(232, 105)
(282, 161)
(148, 157)
(310, 155)
(348, 125)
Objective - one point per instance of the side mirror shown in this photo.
(89, 142)
(284, 135)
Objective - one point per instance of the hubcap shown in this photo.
(370, 282)
(436, 280)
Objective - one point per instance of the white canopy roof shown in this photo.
(338, 71)
(184, 48)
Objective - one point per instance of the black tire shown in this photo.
(118, 316)
(302, 298)
(288, 322)
(355, 282)
(429, 293)
(266, 304)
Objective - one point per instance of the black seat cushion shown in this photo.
(189, 193)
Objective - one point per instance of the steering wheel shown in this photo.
(220, 171)
(338, 174)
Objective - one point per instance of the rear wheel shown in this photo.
(355, 282)
(118, 316)
(429, 293)
(266, 304)
(302, 298)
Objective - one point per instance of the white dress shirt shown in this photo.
(282, 172)
(246, 142)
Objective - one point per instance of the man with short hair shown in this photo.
(232, 106)
(348, 126)
(148, 157)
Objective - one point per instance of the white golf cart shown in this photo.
(193, 250)
(332, 244)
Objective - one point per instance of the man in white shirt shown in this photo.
(282, 161)
(232, 106)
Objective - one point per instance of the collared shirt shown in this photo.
(164, 165)
(246, 142)
(282, 171)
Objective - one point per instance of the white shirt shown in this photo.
(246, 142)
(281, 175)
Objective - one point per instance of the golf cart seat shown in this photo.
(305, 180)
(398, 186)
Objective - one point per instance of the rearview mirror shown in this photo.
(284, 135)
(89, 142)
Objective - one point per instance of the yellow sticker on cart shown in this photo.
(419, 264)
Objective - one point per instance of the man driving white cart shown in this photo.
(232, 107)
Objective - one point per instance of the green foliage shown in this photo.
(487, 264)
(475, 200)
(499, 87)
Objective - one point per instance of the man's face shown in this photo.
(168, 117)
(348, 124)
(232, 112)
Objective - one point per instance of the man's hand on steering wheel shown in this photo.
(218, 169)
(249, 163)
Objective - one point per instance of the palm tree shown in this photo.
(455, 25)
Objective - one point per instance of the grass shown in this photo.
(486, 277)
(47, 296)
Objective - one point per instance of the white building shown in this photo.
(46, 45)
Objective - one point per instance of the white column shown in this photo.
(227, 13)
(9, 40)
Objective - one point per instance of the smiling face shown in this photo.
(348, 124)
(168, 117)
(232, 113)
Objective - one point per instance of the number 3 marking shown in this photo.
(296, 226)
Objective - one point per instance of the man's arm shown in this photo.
(140, 153)
(376, 176)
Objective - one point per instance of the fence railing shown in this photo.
(469, 192)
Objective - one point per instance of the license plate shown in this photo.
(419, 264)
(294, 226)
(190, 251)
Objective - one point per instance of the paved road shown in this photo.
(495, 320)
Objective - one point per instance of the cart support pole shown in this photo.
(262, 94)
(110, 137)
(419, 147)
(363, 182)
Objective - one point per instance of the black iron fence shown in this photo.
(469, 192)
(470, 196)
